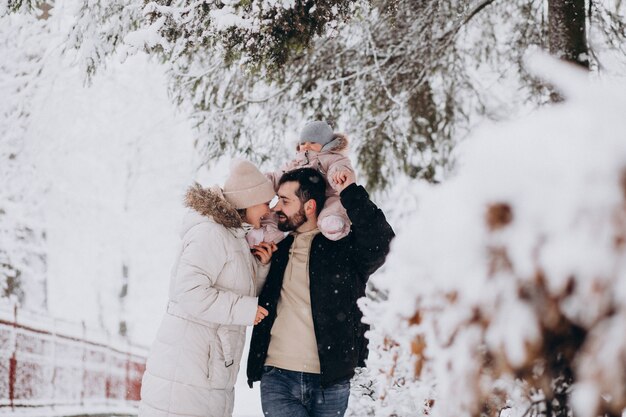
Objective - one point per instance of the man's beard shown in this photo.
(288, 224)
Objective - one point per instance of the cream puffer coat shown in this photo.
(194, 361)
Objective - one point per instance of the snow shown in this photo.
(113, 161)
(147, 37)
(560, 172)
(119, 158)
(93, 203)
(226, 17)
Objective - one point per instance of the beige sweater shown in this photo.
(293, 345)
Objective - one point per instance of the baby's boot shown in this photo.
(333, 227)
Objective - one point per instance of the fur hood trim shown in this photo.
(210, 202)
(339, 144)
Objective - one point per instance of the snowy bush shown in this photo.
(507, 285)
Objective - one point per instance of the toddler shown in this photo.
(322, 149)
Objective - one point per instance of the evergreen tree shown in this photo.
(407, 80)
(22, 235)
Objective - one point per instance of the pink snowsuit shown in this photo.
(331, 159)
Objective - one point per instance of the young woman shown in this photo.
(194, 361)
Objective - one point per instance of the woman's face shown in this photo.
(254, 214)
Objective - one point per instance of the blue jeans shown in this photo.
(299, 394)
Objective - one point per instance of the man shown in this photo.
(305, 351)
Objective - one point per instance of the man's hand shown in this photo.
(261, 313)
(343, 178)
(263, 251)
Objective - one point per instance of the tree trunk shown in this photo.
(567, 34)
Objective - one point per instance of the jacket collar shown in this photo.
(338, 145)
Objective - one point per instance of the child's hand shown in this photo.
(343, 178)
(263, 251)
(261, 313)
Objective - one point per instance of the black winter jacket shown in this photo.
(338, 273)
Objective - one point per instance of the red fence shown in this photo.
(54, 367)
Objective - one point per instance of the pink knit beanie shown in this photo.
(246, 186)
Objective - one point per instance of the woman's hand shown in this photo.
(261, 313)
(263, 251)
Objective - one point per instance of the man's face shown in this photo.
(289, 209)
